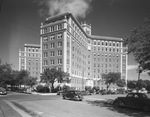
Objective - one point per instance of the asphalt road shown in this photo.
(55, 106)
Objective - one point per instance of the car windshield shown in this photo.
(78, 92)
(2, 89)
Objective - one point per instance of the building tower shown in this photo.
(70, 46)
(30, 59)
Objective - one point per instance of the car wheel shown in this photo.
(146, 108)
(64, 97)
(116, 103)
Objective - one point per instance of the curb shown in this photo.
(108, 101)
(21, 112)
(44, 93)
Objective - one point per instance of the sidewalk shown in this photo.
(108, 101)
(44, 93)
(7, 109)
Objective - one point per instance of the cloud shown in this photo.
(79, 8)
(130, 67)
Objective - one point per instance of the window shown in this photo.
(59, 52)
(59, 26)
(52, 45)
(45, 30)
(45, 46)
(45, 39)
(52, 62)
(52, 53)
(59, 61)
(59, 44)
(59, 36)
(52, 37)
(52, 29)
(45, 62)
(45, 54)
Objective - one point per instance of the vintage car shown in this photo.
(3, 91)
(73, 95)
(133, 100)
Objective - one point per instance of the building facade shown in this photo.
(30, 59)
(69, 45)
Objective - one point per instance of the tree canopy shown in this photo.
(111, 77)
(138, 44)
(52, 75)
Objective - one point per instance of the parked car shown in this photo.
(60, 92)
(73, 95)
(3, 91)
(143, 90)
(133, 100)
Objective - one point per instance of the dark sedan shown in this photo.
(73, 95)
(3, 91)
(133, 100)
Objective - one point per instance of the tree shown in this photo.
(62, 76)
(121, 83)
(53, 75)
(131, 84)
(111, 77)
(141, 84)
(49, 76)
(30, 81)
(5, 74)
(138, 44)
(21, 76)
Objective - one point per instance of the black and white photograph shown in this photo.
(74, 58)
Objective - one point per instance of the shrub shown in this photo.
(65, 88)
(42, 89)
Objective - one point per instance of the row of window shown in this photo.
(52, 53)
(32, 49)
(52, 45)
(52, 37)
(106, 65)
(52, 62)
(106, 49)
(32, 63)
(106, 60)
(52, 28)
(105, 43)
(33, 55)
(104, 55)
(33, 68)
(79, 73)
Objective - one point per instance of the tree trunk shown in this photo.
(52, 86)
(108, 86)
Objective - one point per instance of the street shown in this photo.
(55, 106)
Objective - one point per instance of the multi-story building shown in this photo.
(68, 45)
(30, 59)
